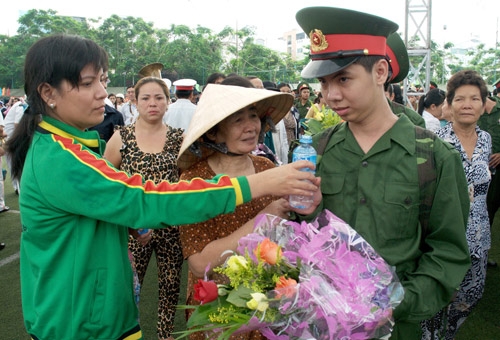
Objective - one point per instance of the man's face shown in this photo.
(285, 89)
(350, 92)
(131, 94)
(305, 94)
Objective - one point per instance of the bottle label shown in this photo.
(305, 157)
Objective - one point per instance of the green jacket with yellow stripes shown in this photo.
(76, 278)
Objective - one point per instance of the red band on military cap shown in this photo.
(393, 62)
(184, 88)
(497, 85)
(370, 44)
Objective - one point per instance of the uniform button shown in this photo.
(362, 201)
(408, 200)
(364, 164)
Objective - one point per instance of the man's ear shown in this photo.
(381, 71)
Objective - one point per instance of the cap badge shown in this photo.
(318, 41)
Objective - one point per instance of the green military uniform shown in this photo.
(302, 108)
(378, 195)
(490, 122)
(379, 192)
(399, 109)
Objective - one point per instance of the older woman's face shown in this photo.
(467, 105)
(240, 131)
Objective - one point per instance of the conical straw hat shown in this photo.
(220, 101)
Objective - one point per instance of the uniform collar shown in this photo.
(397, 133)
(88, 138)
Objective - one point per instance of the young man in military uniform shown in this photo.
(369, 168)
(490, 122)
(303, 103)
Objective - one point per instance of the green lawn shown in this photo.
(483, 324)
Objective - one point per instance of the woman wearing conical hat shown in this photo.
(223, 133)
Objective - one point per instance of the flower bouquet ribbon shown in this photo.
(318, 280)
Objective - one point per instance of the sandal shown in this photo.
(5, 208)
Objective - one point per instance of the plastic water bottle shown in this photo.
(304, 151)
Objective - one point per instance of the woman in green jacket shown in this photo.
(75, 207)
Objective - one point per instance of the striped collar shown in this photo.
(88, 138)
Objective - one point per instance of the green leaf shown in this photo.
(240, 296)
(201, 313)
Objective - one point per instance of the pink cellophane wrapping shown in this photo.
(345, 290)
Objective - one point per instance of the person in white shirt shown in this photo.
(11, 120)
(180, 113)
(129, 109)
(430, 106)
(3, 207)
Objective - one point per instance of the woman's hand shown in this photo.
(284, 180)
(317, 197)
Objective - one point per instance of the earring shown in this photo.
(52, 105)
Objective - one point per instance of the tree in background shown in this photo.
(195, 53)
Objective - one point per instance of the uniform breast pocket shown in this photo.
(332, 186)
(402, 202)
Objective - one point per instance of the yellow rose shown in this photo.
(237, 262)
(259, 302)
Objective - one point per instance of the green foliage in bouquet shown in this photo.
(322, 120)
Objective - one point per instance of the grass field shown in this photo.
(483, 324)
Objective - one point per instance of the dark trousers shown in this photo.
(493, 197)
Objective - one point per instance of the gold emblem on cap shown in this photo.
(318, 41)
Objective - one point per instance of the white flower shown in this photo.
(259, 302)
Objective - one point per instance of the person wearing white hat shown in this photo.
(179, 114)
(120, 100)
(224, 131)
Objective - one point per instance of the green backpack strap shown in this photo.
(323, 140)
(324, 137)
(426, 167)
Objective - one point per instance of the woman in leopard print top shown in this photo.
(150, 148)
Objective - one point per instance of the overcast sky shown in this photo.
(464, 19)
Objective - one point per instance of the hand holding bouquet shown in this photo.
(317, 280)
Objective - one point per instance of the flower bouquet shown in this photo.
(318, 280)
(322, 120)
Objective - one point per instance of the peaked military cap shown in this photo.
(398, 58)
(340, 36)
(184, 84)
(497, 84)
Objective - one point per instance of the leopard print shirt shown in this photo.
(152, 166)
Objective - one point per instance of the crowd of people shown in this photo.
(106, 181)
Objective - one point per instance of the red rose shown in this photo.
(205, 291)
